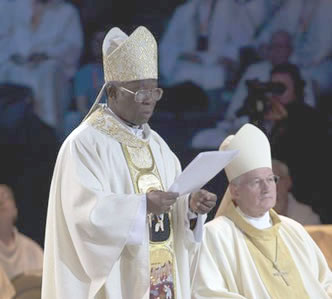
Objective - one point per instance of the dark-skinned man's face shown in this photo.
(124, 105)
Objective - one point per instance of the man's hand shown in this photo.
(276, 112)
(202, 201)
(159, 202)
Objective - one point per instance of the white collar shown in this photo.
(138, 131)
(262, 222)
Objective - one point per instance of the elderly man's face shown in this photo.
(8, 210)
(125, 106)
(255, 192)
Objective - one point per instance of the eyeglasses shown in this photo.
(143, 94)
(257, 182)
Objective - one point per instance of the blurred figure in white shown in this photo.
(46, 47)
(286, 203)
(309, 23)
(202, 41)
(278, 51)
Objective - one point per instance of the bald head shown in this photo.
(6, 192)
(8, 210)
(280, 47)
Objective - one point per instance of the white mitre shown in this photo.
(128, 58)
(254, 152)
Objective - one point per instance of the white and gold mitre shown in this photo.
(129, 58)
(254, 151)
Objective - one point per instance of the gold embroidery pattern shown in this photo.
(145, 175)
(108, 125)
(141, 160)
(134, 59)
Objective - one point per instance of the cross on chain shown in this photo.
(280, 273)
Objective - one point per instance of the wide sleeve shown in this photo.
(96, 219)
(212, 270)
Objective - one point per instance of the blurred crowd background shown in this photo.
(222, 63)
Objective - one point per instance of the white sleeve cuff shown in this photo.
(198, 230)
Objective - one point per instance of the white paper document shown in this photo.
(202, 169)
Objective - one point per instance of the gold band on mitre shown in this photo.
(254, 152)
(135, 57)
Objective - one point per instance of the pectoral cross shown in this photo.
(280, 273)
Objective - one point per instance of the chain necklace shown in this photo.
(274, 262)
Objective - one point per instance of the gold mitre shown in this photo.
(128, 58)
(254, 151)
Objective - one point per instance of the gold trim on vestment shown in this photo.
(271, 256)
(107, 124)
(145, 177)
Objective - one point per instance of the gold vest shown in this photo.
(271, 256)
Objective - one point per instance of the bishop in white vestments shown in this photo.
(113, 230)
(248, 250)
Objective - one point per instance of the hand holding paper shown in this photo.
(202, 169)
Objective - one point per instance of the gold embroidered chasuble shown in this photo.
(145, 177)
(272, 258)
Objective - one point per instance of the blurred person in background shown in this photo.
(45, 50)
(201, 43)
(298, 137)
(88, 80)
(278, 51)
(28, 150)
(286, 204)
(18, 253)
(309, 24)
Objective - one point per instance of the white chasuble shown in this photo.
(94, 204)
(237, 260)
